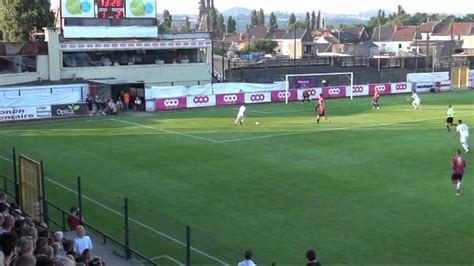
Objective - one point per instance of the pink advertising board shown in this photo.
(382, 88)
(280, 96)
(334, 92)
(171, 103)
(230, 99)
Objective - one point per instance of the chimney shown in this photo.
(241, 36)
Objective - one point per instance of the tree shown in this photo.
(468, 18)
(186, 27)
(266, 46)
(220, 27)
(273, 21)
(313, 20)
(165, 25)
(231, 25)
(318, 20)
(19, 19)
(292, 20)
(260, 17)
(253, 18)
(307, 21)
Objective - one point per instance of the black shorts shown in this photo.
(449, 120)
(321, 113)
(456, 177)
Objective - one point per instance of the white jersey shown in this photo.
(242, 110)
(463, 130)
(415, 97)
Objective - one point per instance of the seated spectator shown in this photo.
(86, 256)
(4, 209)
(4, 198)
(46, 251)
(248, 259)
(73, 219)
(58, 253)
(81, 242)
(311, 256)
(20, 225)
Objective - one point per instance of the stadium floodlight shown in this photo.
(310, 81)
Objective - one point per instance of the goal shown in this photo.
(319, 80)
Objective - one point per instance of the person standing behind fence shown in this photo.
(73, 219)
(126, 101)
(248, 259)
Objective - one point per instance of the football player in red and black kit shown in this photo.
(457, 164)
(375, 100)
(320, 110)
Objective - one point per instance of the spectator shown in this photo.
(26, 246)
(43, 260)
(4, 198)
(86, 256)
(73, 219)
(4, 209)
(97, 261)
(41, 242)
(138, 104)
(311, 256)
(248, 259)
(31, 232)
(8, 224)
(81, 242)
(46, 251)
(25, 260)
(126, 101)
(119, 104)
(8, 242)
(19, 226)
(57, 250)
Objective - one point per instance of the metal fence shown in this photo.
(153, 240)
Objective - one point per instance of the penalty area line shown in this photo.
(165, 130)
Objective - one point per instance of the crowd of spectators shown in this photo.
(101, 105)
(25, 243)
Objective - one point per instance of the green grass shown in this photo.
(373, 187)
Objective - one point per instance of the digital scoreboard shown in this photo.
(111, 9)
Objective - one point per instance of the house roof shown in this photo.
(345, 37)
(322, 47)
(428, 26)
(288, 34)
(355, 30)
(404, 34)
(236, 37)
(259, 32)
(442, 28)
(386, 33)
(461, 28)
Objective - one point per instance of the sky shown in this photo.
(342, 6)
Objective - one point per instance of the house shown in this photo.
(293, 43)
(456, 31)
(382, 37)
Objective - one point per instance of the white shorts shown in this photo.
(240, 117)
(463, 139)
(416, 102)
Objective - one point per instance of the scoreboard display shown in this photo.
(111, 9)
(108, 9)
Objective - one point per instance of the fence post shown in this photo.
(79, 198)
(128, 254)
(43, 192)
(15, 178)
(188, 245)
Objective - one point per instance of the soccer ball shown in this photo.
(257, 123)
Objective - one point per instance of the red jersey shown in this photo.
(458, 163)
(376, 95)
(320, 103)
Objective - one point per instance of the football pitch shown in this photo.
(372, 187)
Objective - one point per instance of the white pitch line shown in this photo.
(325, 130)
(164, 130)
(130, 218)
(166, 257)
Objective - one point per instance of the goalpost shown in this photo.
(308, 82)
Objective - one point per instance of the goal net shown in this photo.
(328, 84)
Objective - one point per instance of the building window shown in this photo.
(134, 57)
(17, 64)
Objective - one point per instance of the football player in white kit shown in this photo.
(463, 131)
(241, 115)
(416, 100)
